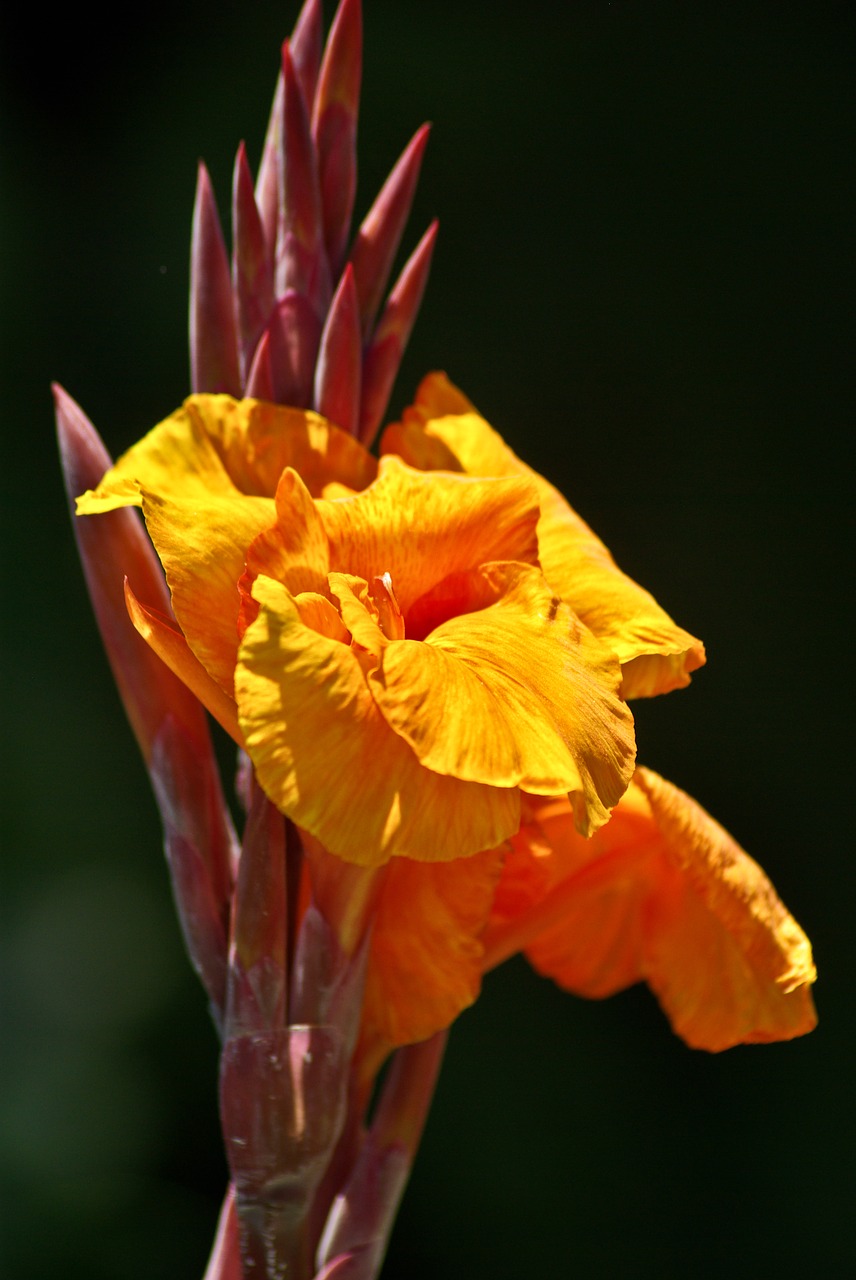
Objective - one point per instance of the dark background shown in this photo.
(643, 279)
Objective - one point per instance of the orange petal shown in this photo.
(293, 550)
(442, 429)
(172, 648)
(425, 961)
(516, 694)
(421, 528)
(663, 894)
(327, 758)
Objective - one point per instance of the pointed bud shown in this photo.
(252, 265)
(334, 127)
(389, 340)
(267, 182)
(306, 42)
(339, 368)
(301, 260)
(213, 342)
(379, 236)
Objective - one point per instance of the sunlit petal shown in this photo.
(421, 528)
(516, 694)
(312, 728)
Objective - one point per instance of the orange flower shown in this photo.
(407, 624)
(389, 646)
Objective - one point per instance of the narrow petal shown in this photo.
(311, 725)
(442, 429)
(425, 961)
(420, 529)
(515, 694)
(662, 894)
(161, 634)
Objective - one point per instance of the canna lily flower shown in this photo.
(406, 623)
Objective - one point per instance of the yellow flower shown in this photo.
(401, 669)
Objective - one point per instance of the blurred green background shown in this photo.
(644, 280)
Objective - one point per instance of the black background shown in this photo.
(643, 279)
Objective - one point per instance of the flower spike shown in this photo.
(334, 127)
(338, 371)
(380, 234)
(213, 342)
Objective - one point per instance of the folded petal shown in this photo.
(662, 894)
(443, 430)
(311, 727)
(518, 693)
(214, 444)
(161, 634)
(425, 962)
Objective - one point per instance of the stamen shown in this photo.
(390, 616)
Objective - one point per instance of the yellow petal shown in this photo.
(425, 962)
(516, 694)
(175, 458)
(421, 528)
(202, 544)
(664, 894)
(327, 758)
(216, 445)
(442, 429)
